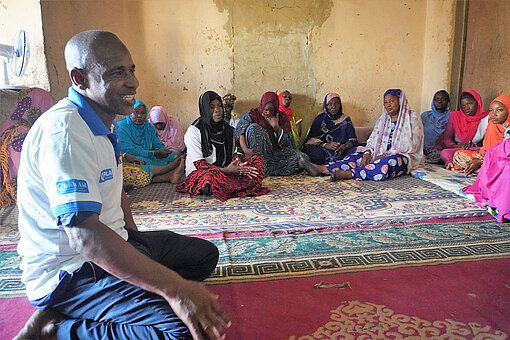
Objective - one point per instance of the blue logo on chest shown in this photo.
(106, 175)
(72, 185)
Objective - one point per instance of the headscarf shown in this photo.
(256, 116)
(141, 134)
(495, 132)
(286, 110)
(220, 134)
(328, 97)
(407, 136)
(138, 103)
(172, 135)
(327, 129)
(434, 123)
(465, 126)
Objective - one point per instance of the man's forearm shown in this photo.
(101, 245)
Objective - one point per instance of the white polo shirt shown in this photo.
(68, 165)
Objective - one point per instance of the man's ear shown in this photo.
(78, 78)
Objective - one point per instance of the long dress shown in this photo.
(141, 141)
(278, 149)
(209, 148)
(278, 161)
(402, 140)
(330, 129)
(434, 125)
(492, 186)
(493, 136)
(464, 128)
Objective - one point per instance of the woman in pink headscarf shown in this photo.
(492, 186)
(168, 128)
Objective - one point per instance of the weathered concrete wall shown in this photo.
(356, 48)
(180, 48)
(26, 15)
(487, 56)
(366, 47)
(438, 49)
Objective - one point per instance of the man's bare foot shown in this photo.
(177, 175)
(43, 324)
(341, 174)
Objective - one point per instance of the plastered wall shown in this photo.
(182, 48)
(487, 54)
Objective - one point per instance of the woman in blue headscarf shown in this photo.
(331, 136)
(139, 138)
(434, 124)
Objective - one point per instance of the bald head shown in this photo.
(91, 47)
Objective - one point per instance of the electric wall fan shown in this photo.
(14, 57)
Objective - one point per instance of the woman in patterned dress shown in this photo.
(212, 168)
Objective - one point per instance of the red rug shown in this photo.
(464, 300)
(15, 312)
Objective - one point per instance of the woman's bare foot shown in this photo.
(43, 324)
(341, 174)
(309, 167)
(178, 175)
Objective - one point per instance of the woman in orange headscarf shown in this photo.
(470, 161)
(285, 99)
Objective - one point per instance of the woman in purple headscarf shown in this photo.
(266, 131)
(394, 148)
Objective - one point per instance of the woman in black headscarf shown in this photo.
(212, 168)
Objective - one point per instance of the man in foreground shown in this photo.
(85, 279)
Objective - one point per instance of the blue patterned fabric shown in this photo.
(387, 167)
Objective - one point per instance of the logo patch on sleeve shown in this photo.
(106, 175)
(71, 186)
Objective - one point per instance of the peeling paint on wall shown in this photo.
(181, 49)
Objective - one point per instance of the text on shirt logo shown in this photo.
(106, 175)
(72, 186)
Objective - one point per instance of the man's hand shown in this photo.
(199, 310)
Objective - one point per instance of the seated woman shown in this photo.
(139, 138)
(168, 129)
(211, 167)
(470, 161)
(434, 124)
(492, 186)
(331, 136)
(465, 128)
(285, 99)
(266, 131)
(395, 145)
(27, 107)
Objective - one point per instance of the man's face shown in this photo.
(112, 83)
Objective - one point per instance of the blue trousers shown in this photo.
(379, 170)
(101, 306)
